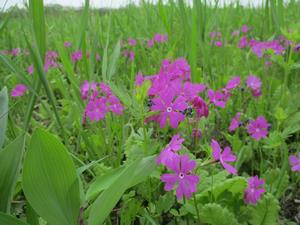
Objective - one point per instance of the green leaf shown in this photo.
(234, 185)
(103, 205)
(10, 160)
(265, 212)
(216, 214)
(113, 61)
(275, 185)
(143, 169)
(3, 114)
(9, 220)
(50, 181)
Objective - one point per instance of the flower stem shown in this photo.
(196, 208)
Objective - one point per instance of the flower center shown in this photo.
(181, 175)
(252, 190)
(257, 130)
(169, 109)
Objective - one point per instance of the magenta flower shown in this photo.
(217, 98)
(113, 104)
(224, 157)
(19, 90)
(96, 109)
(150, 43)
(15, 51)
(254, 190)
(235, 122)
(192, 90)
(243, 43)
(259, 48)
(258, 128)
(245, 29)
(67, 44)
(87, 87)
(169, 109)
(233, 83)
(200, 107)
(254, 84)
(295, 162)
(76, 56)
(185, 182)
(218, 44)
(170, 150)
(131, 41)
(139, 79)
(30, 69)
(131, 55)
(160, 38)
(196, 133)
(297, 48)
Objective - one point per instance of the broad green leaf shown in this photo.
(103, 205)
(3, 114)
(143, 169)
(113, 61)
(10, 220)
(265, 212)
(234, 185)
(10, 159)
(216, 214)
(50, 181)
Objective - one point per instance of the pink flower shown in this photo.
(200, 107)
(259, 48)
(170, 150)
(67, 44)
(217, 98)
(254, 190)
(235, 122)
(150, 43)
(30, 69)
(98, 57)
(113, 104)
(297, 48)
(15, 51)
(224, 157)
(233, 83)
(159, 38)
(19, 90)
(131, 41)
(197, 134)
(76, 56)
(139, 79)
(258, 128)
(235, 33)
(86, 87)
(245, 29)
(96, 109)
(254, 84)
(192, 90)
(182, 178)
(295, 162)
(169, 109)
(131, 55)
(243, 43)
(218, 44)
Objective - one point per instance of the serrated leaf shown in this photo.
(216, 214)
(10, 160)
(3, 114)
(274, 140)
(265, 212)
(50, 182)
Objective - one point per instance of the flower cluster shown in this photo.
(181, 165)
(100, 100)
(216, 38)
(18, 90)
(173, 95)
(254, 190)
(157, 38)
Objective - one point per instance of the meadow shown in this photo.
(162, 113)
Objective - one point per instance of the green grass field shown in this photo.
(162, 113)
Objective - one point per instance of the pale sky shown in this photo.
(106, 3)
